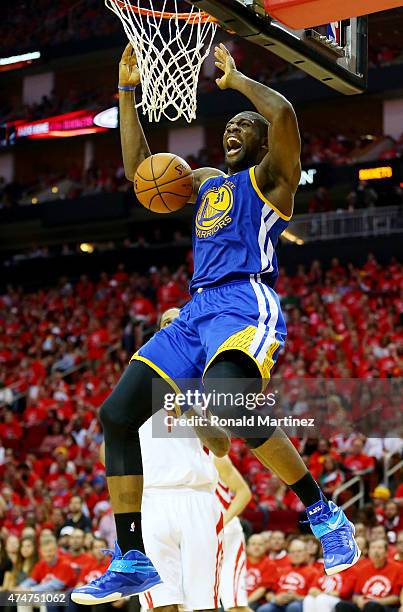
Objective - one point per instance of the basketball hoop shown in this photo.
(170, 47)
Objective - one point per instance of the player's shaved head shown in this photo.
(168, 316)
(261, 122)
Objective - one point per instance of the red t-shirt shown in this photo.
(341, 583)
(374, 583)
(93, 569)
(261, 574)
(399, 491)
(281, 559)
(43, 572)
(297, 578)
(78, 562)
(358, 463)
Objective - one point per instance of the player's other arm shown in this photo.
(236, 483)
(215, 438)
(135, 148)
(278, 173)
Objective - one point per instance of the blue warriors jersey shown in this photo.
(235, 232)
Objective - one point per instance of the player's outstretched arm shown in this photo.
(278, 173)
(134, 144)
(236, 483)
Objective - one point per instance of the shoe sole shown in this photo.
(86, 599)
(340, 568)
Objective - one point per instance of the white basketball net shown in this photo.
(170, 53)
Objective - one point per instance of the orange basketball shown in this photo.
(163, 183)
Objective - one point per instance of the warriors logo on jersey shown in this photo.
(212, 214)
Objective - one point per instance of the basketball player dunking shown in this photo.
(231, 330)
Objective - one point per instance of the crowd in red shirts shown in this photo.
(287, 575)
(63, 348)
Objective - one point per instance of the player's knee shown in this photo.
(170, 608)
(113, 418)
(233, 387)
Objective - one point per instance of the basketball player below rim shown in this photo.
(231, 330)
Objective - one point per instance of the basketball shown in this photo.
(163, 183)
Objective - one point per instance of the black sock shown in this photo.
(128, 529)
(308, 490)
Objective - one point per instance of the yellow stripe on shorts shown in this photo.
(241, 341)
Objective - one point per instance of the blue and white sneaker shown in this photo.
(331, 526)
(127, 575)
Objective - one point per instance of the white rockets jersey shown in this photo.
(172, 461)
(224, 497)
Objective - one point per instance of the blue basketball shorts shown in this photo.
(243, 315)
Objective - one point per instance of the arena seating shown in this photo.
(63, 348)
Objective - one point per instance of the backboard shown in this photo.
(336, 54)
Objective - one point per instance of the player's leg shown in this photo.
(202, 548)
(231, 375)
(162, 359)
(233, 595)
(239, 357)
(121, 415)
(162, 545)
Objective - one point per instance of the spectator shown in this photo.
(64, 539)
(97, 564)
(317, 458)
(378, 583)
(366, 196)
(327, 591)
(12, 547)
(27, 557)
(77, 518)
(392, 520)
(314, 556)
(378, 533)
(106, 522)
(88, 541)
(277, 549)
(51, 573)
(261, 573)
(272, 494)
(331, 476)
(356, 461)
(294, 582)
(380, 495)
(77, 555)
(362, 545)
